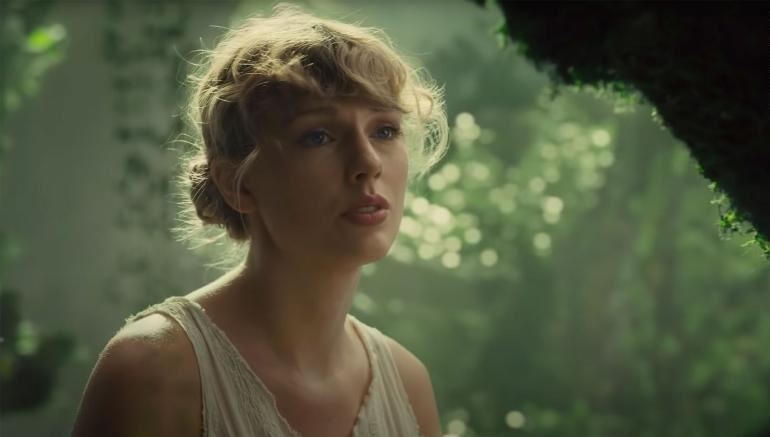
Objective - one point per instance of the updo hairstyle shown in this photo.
(239, 87)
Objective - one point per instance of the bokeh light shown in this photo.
(515, 419)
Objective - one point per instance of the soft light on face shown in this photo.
(333, 153)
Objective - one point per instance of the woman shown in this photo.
(310, 130)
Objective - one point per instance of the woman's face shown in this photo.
(335, 155)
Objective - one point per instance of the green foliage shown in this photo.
(28, 49)
(29, 361)
(703, 83)
(627, 322)
(475, 190)
(557, 273)
(620, 314)
(143, 45)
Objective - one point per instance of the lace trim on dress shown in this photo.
(398, 381)
(246, 378)
(363, 412)
(246, 375)
(252, 392)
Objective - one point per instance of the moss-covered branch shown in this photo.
(703, 66)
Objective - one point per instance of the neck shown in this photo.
(296, 313)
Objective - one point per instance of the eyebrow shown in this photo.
(332, 109)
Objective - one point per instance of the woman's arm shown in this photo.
(418, 388)
(145, 383)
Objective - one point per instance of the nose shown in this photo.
(365, 162)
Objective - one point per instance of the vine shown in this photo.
(144, 46)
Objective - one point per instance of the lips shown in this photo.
(368, 210)
(368, 204)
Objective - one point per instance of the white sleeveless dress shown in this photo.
(237, 404)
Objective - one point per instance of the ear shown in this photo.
(241, 198)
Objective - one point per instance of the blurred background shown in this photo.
(561, 272)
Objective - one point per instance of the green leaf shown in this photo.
(43, 39)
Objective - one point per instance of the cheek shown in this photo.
(296, 195)
(398, 181)
(401, 172)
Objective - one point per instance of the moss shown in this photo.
(703, 66)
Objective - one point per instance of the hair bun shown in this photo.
(208, 201)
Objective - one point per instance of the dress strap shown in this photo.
(235, 401)
(176, 308)
(389, 408)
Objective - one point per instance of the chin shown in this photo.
(375, 258)
(373, 250)
(371, 256)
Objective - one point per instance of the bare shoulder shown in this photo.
(145, 382)
(418, 387)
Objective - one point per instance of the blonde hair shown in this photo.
(266, 60)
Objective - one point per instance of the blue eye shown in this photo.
(388, 132)
(317, 137)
